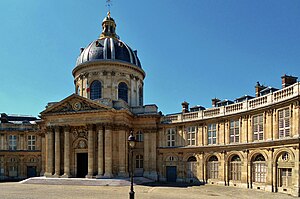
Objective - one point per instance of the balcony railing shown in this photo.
(271, 98)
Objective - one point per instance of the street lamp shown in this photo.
(131, 142)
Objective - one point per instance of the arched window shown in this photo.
(259, 169)
(213, 167)
(141, 96)
(95, 90)
(139, 161)
(192, 167)
(235, 168)
(123, 91)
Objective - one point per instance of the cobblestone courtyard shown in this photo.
(38, 191)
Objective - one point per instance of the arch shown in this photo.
(95, 90)
(192, 159)
(171, 158)
(279, 152)
(123, 91)
(78, 143)
(253, 154)
(233, 153)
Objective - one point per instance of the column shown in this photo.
(108, 152)
(269, 124)
(66, 153)
(43, 148)
(57, 152)
(49, 153)
(205, 135)
(122, 153)
(90, 152)
(100, 152)
(269, 180)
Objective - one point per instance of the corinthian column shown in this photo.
(108, 153)
(49, 171)
(57, 152)
(67, 153)
(100, 152)
(90, 152)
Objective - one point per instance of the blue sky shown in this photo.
(191, 50)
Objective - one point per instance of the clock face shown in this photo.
(77, 106)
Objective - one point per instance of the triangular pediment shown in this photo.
(73, 104)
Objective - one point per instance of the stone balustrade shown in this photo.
(269, 99)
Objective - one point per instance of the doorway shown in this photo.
(82, 165)
(31, 171)
(171, 173)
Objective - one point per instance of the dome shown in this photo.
(108, 47)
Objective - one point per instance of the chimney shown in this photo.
(185, 107)
(288, 80)
(258, 88)
(214, 102)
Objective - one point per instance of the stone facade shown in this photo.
(20, 148)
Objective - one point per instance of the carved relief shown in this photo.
(81, 132)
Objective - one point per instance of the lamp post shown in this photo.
(131, 142)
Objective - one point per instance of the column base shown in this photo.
(123, 174)
(99, 176)
(56, 175)
(66, 175)
(108, 175)
(48, 174)
(89, 176)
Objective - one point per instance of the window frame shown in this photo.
(191, 135)
(171, 137)
(212, 134)
(31, 142)
(234, 131)
(123, 91)
(284, 123)
(139, 136)
(258, 127)
(96, 90)
(12, 142)
(139, 161)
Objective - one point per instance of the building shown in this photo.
(251, 142)
(20, 143)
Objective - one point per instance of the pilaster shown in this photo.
(49, 171)
(108, 152)
(90, 152)
(100, 152)
(66, 152)
(57, 152)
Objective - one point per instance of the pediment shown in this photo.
(74, 104)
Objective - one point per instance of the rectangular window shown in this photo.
(1, 166)
(286, 177)
(191, 135)
(212, 134)
(171, 137)
(12, 142)
(259, 172)
(284, 123)
(235, 168)
(258, 127)
(13, 171)
(31, 139)
(234, 131)
(213, 169)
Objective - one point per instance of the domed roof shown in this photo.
(108, 47)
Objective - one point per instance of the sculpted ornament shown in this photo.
(76, 106)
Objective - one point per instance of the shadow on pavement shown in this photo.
(172, 184)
